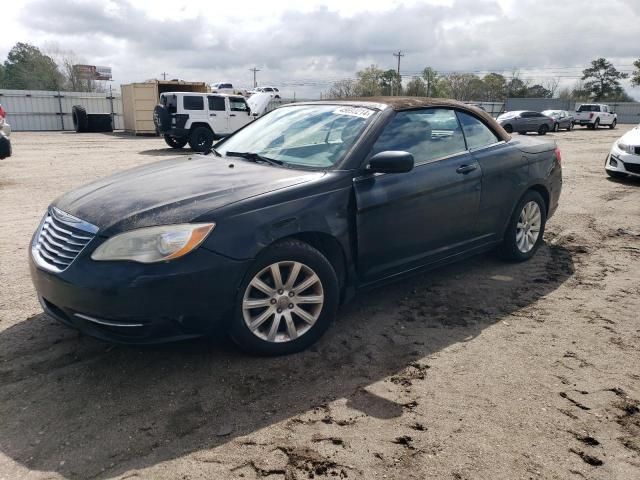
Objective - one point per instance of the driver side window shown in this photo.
(428, 134)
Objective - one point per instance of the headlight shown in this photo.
(625, 148)
(154, 244)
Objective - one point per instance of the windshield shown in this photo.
(509, 114)
(315, 136)
(589, 108)
(551, 113)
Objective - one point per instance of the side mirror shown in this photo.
(391, 161)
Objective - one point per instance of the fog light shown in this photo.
(613, 162)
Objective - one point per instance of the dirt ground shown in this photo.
(481, 370)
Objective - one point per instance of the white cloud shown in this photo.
(314, 42)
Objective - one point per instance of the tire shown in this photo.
(161, 118)
(508, 128)
(614, 174)
(570, 127)
(613, 124)
(556, 127)
(5, 147)
(201, 139)
(543, 129)
(99, 122)
(511, 249)
(80, 119)
(274, 315)
(175, 142)
(596, 125)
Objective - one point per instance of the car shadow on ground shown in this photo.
(168, 152)
(83, 408)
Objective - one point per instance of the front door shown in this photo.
(406, 220)
(239, 114)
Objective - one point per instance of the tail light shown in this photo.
(559, 155)
(3, 114)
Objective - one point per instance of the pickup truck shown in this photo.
(594, 115)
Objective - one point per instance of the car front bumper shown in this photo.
(619, 161)
(127, 302)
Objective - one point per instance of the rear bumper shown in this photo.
(124, 302)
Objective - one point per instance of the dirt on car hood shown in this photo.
(174, 191)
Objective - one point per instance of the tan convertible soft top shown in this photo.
(408, 103)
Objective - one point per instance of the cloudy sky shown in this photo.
(303, 46)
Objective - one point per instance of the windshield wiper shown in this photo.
(214, 151)
(255, 157)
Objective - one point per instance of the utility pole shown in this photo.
(399, 55)
(254, 70)
(164, 75)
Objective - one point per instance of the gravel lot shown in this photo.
(481, 370)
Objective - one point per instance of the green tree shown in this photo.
(538, 91)
(463, 86)
(416, 88)
(368, 83)
(495, 87)
(433, 82)
(635, 78)
(602, 80)
(27, 68)
(390, 83)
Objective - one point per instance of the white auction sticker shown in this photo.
(354, 112)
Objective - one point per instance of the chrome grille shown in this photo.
(60, 239)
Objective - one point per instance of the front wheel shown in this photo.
(570, 126)
(508, 128)
(287, 300)
(556, 127)
(543, 129)
(175, 142)
(597, 124)
(201, 139)
(613, 124)
(526, 228)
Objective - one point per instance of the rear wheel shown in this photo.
(543, 129)
(526, 228)
(613, 124)
(287, 301)
(508, 128)
(570, 127)
(201, 139)
(556, 127)
(596, 125)
(175, 142)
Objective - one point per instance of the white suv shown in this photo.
(273, 91)
(200, 118)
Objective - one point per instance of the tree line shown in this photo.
(27, 67)
(599, 82)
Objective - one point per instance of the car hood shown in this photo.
(174, 191)
(632, 137)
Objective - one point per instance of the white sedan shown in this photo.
(624, 158)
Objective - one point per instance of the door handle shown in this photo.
(212, 114)
(464, 169)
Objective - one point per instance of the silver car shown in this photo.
(563, 119)
(524, 121)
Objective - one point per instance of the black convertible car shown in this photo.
(265, 235)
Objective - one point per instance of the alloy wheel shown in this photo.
(283, 301)
(528, 227)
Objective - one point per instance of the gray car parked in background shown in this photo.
(563, 119)
(525, 121)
